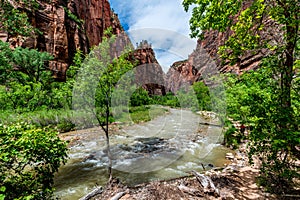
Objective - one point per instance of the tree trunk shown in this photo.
(107, 141)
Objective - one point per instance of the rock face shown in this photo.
(67, 26)
(149, 73)
(204, 61)
(198, 67)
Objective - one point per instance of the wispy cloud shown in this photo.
(163, 23)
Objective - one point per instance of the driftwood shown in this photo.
(209, 124)
(96, 191)
(206, 183)
(118, 196)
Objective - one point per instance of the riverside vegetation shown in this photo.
(34, 107)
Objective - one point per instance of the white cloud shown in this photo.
(166, 23)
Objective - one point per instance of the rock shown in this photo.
(229, 156)
(205, 61)
(149, 73)
(179, 74)
(67, 26)
(239, 157)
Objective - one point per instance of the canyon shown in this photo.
(68, 26)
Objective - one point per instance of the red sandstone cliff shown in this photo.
(205, 61)
(67, 26)
(148, 72)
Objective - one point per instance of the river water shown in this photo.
(167, 147)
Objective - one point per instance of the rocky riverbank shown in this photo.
(236, 180)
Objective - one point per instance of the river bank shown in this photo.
(236, 180)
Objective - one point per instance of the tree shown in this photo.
(275, 134)
(95, 83)
(26, 78)
(202, 93)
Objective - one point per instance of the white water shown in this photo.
(166, 147)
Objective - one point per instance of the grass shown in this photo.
(66, 120)
(146, 113)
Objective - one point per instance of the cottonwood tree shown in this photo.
(96, 81)
(272, 27)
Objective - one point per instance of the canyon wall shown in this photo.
(204, 60)
(66, 26)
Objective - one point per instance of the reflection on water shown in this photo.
(167, 147)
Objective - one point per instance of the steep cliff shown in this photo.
(205, 58)
(66, 26)
(148, 72)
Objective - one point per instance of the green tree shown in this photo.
(27, 80)
(32, 64)
(29, 157)
(5, 62)
(202, 93)
(275, 134)
(95, 83)
(140, 97)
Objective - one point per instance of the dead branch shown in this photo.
(96, 191)
(206, 183)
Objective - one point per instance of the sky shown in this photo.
(164, 23)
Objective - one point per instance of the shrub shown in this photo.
(29, 157)
(139, 97)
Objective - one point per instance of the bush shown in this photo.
(255, 98)
(29, 157)
(202, 93)
(232, 137)
(139, 97)
(167, 100)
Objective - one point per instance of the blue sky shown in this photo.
(164, 23)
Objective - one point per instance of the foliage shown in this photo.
(14, 17)
(96, 82)
(5, 62)
(266, 100)
(253, 99)
(29, 157)
(139, 97)
(27, 83)
(232, 137)
(187, 98)
(73, 17)
(145, 113)
(202, 93)
(31, 64)
(167, 100)
(196, 97)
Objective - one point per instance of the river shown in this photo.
(167, 147)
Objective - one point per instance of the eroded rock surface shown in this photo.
(66, 26)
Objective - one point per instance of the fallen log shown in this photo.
(96, 191)
(206, 183)
(118, 196)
